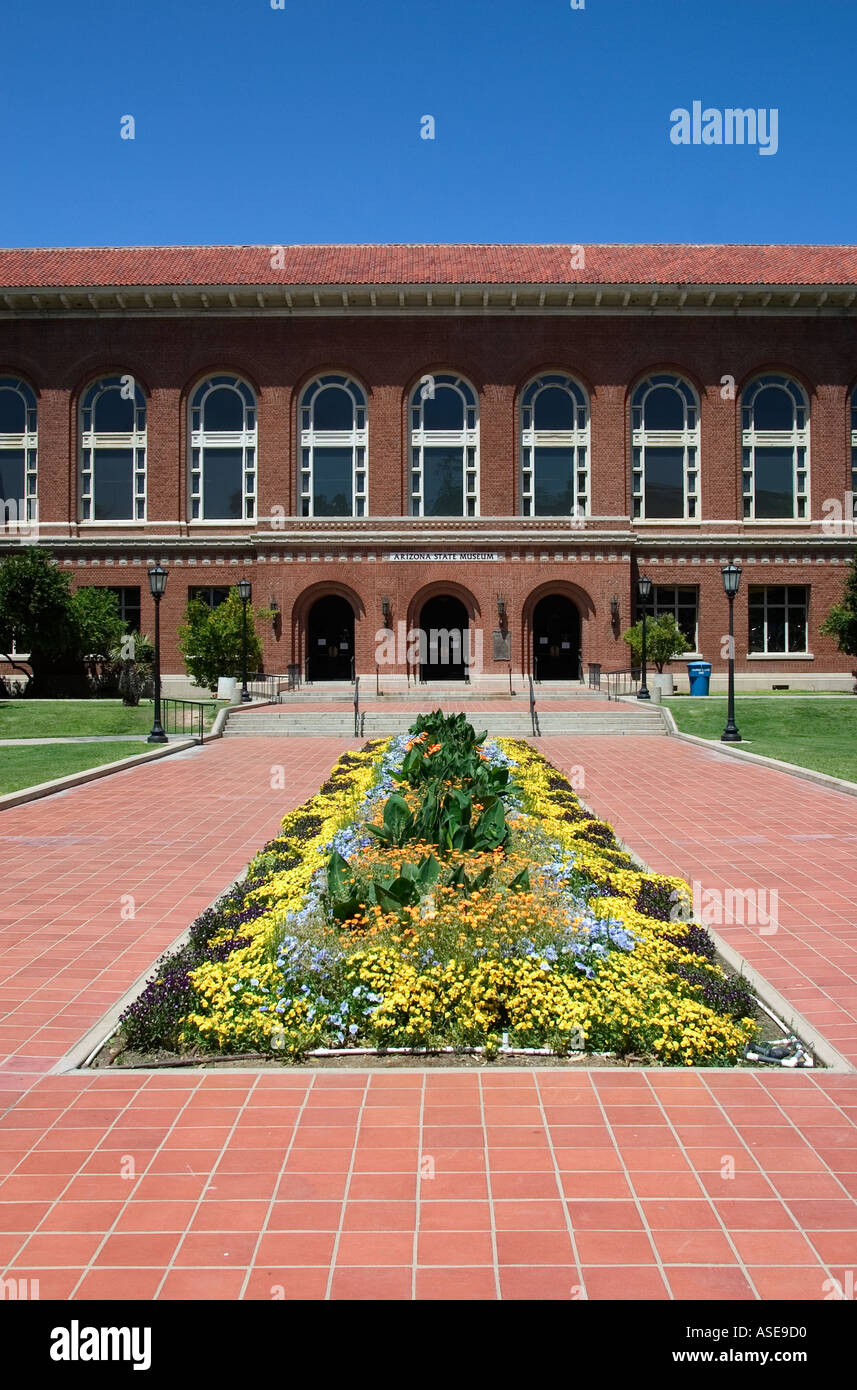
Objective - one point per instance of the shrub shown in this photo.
(210, 640)
(664, 641)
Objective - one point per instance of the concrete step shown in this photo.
(276, 723)
(457, 693)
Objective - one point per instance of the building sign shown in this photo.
(434, 556)
(502, 645)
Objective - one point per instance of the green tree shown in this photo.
(210, 640)
(841, 621)
(36, 612)
(664, 641)
(98, 626)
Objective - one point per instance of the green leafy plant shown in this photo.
(211, 639)
(349, 895)
(841, 621)
(57, 627)
(664, 641)
(131, 667)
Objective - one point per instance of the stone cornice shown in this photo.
(262, 545)
(254, 301)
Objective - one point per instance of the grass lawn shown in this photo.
(816, 732)
(28, 766)
(69, 718)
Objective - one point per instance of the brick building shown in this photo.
(495, 440)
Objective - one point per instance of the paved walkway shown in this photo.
(101, 879)
(731, 825)
(392, 1185)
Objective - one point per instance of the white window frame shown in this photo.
(766, 603)
(356, 439)
(466, 439)
(92, 440)
(28, 443)
(245, 439)
(797, 439)
(687, 439)
(658, 605)
(576, 439)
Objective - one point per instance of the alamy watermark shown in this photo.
(734, 125)
(19, 518)
(715, 907)
(436, 646)
(840, 517)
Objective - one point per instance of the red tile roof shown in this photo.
(486, 264)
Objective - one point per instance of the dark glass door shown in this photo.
(330, 640)
(445, 640)
(556, 639)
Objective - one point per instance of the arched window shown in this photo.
(113, 451)
(444, 448)
(775, 449)
(18, 453)
(223, 450)
(554, 448)
(664, 449)
(334, 448)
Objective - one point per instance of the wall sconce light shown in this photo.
(501, 608)
(275, 613)
(614, 609)
(386, 610)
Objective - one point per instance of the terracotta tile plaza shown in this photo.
(466, 1183)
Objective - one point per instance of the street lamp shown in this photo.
(731, 580)
(644, 593)
(157, 585)
(244, 591)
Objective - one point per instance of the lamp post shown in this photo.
(731, 580)
(244, 591)
(157, 585)
(644, 593)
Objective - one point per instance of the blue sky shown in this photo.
(303, 124)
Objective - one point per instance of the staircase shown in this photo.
(378, 718)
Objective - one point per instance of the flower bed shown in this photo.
(442, 890)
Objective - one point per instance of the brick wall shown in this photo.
(278, 355)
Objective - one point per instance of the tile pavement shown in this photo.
(411, 1184)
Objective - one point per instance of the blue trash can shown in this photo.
(700, 675)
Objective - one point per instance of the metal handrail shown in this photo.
(266, 685)
(357, 716)
(183, 713)
(534, 718)
(622, 682)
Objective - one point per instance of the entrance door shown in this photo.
(445, 642)
(556, 639)
(330, 640)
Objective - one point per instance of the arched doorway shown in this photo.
(445, 641)
(330, 640)
(556, 639)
